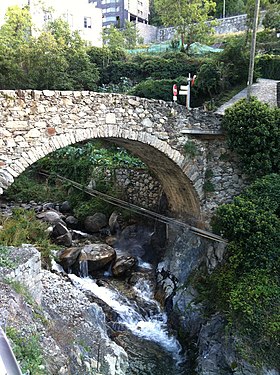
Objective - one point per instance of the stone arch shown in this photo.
(165, 162)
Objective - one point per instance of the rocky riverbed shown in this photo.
(78, 331)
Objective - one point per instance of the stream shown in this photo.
(140, 326)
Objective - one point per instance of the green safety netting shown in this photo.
(195, 48)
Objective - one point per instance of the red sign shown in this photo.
(175, 91)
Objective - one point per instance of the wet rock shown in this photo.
(97, 255)
(72, 222)
(123, 266)
(59, 229)
(67, 257)
(64, 240)
(111, 240)
(65, 207)
(61, 234)
(94, 223)
(78, 235)
(114, 224)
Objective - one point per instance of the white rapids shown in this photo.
(152, 326)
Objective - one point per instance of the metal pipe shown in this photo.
(253, 49)
(8, 362)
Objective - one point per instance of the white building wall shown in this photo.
(80, 15)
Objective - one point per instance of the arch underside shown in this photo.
(182, 198)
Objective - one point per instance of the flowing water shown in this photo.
(144, 331)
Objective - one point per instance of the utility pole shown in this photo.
(224, 9)
(253, 49)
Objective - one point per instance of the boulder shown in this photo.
(52, 217)
(123, 265)
(65, 207)
(59, 229)
(97, 255)
(67, 257)
(95, 222)
(72, 222)
(64, 240)
(61, 234)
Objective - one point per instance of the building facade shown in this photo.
(82, 16)
(116, 12)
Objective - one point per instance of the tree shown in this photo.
(113, 37)
(130, 34)
(232, 7)
(15, 36)
(189, 17)
(272, 17)
(154, 18)
(60, 60)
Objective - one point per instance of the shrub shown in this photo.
(269, 66)
(209, 78)
(190, 148)
(235, 57)
(255, 231)
(118, 69)
(245, 287)
(154, 89)
(5, 260)
(253, 132)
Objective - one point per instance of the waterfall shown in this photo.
(83, 268)
(149, 325)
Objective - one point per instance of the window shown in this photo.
(47, 16)
(111, 10)
(87, 22)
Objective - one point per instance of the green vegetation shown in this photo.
(245, 286)
(190, 148)
(23, 227)
(27, 351)
(253, 131)
(5, 259)
(20, 289)
(57, 59)
(93, 163)
(188, 18)
(80, 162)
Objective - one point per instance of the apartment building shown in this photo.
(116, 12)
(80, 15)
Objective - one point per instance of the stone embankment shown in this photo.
(71, 329)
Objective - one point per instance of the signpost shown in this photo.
(186, 90)
(175, 93)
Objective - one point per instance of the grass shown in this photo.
(27, 351)
(23, 227)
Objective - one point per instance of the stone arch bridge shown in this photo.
(186, 151)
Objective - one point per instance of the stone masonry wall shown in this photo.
(234, 24)
(139, 187)
(36, 123)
